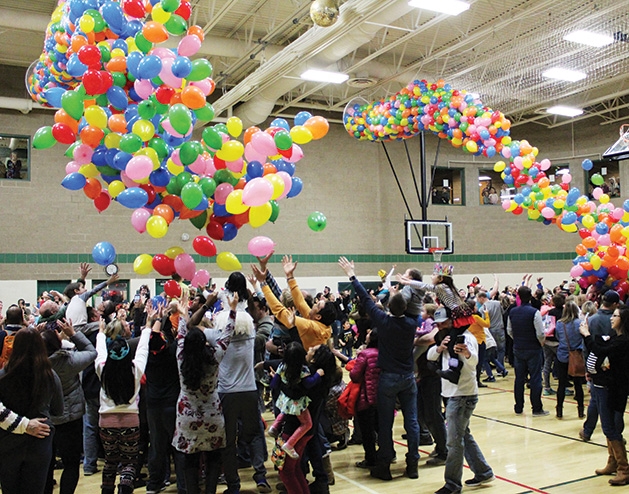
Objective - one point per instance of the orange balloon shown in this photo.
(165, 211)
(581, 250)
(241, 184)
(117, 64)
(176, 98)
(318, 126)
(173, 201)
(623, 263)
(248, 133)
(155, 32)
(589, 242)
(62, 117)
(193, 97)
(117, 123)
(91, 136)
(612, 252)
(268, 169)
(92, 188)
(586, 266)
(197, 31)
(186, 214)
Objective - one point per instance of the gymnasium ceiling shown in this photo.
(498, 48)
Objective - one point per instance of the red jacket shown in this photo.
(367, 373)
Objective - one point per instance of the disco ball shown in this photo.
(324, 13)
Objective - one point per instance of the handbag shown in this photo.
(278, 455)
(576, 362)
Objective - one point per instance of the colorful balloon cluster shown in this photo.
(462, 119)
(127, 109)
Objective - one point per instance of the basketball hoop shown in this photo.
(436, 252)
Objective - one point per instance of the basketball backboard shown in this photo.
(423, 236)
(620, 150)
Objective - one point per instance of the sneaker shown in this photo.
(505, 373)
(290, 451)
(491, 379)
(550, 391)
(583, 435)
(425, 440)
(481, 385)
(569, 392)
(541, 413)
(446, 490)
(433, 453)
(364, 464)
(437, 461)
(477, 481)
(150, 490)
(263, 486)
(87, 473)
(273, 432)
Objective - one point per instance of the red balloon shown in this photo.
(92, 81)
(89, 54)
(204, 246)
(163, 264)
(584, 233)
(164, 94)
(172, 288)
(63, 133)
(92, 188)
(150, 191)
(107, 81)
(133, 8)
(215, 230)
(219, 164)
(184, 10)
(102, 201)
(173, 201)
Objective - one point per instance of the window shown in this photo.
(491, 188)
(448, 186)
(14, 157)
(604, 174)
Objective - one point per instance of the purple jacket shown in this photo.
(367, 373)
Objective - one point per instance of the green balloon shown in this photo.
(176, 25)
(201, 69)
(199, 221)
(222, 128)
(183, 179)
(108, 171)
(43, 138)
(130, 143)
(283, 140)
(160, 147)
(317, 221)
(275, 211)
(188, 153)
(597, 179)
(225, 176)
(146, 109)
(170, 5)
(212, 138)
(191, 195)
(206, 113)
(143, 44)
(72, 103)
(99, 22)
(173, 186)
(119, 78)
(180, 118)
(208, 185)
(101, 100)
(159, 108)
(157, 81)
(70, 151)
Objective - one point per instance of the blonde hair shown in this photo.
(114, 329)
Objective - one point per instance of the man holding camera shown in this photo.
(461, 399)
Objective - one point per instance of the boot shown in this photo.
(107, 490)
(580, 411)
(622, 468)
(327, 465)
(610, 468)
(411, 469)
(559, 410)
(381, 471)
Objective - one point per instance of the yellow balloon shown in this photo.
(506, 140)
(96, 116)
(228, 262)
(277, 183)
(595, 261)
(159, 15)
(625, 232)
(571, 229)
(512, 206)
(301, 134)
(151, 153)
(259, 215)
(471, 146)
(89, 171)
(604, 199)
(582, 200)
(587, 221)
(156, 226)
(534, 214)
(234, 124)
(173, 252)
(526, 162)
(115, 188)
(117, 52)
(173, 167)
(144, 129)
(231, 151)
(559, 204)
(112, 140)
(86, 23)
(233, 203)
(499, 166)
(143, 264)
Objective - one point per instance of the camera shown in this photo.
(460, 339)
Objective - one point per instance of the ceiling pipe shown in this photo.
(21, 104)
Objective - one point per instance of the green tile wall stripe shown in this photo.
(31, 258)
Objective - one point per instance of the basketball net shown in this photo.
(436, 252)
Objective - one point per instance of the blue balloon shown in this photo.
(302, 116)
(587, 165)
(296, 187)
(121, 44)
(229, 232)
(203, 205)
(255, 169)
(219, 210)
(160, 177)
(131, 28)
(518, 198)
(149, 67)
(601, 228)
(133, 61)
(73, 181)
(104, 253)
(99, 158)
(53, 96)
(117, 97)
(121, 159)
(133, 198)
(281, 123)
(112, 13)
(110, 156)
(569, 218)
(181, 67)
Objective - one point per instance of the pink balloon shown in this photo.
(143, 87)
(548, 213)
(163, 53)
(185, 266)
(234, 166)
(200, 278)
(517, 161)
(545, 164)
(618, 213)
(139, 168)
(576, 271)
(261, 246)
(82, 154)
(169, 128)
(222, 191)
(597, 193)
(604, 240)
(72, 167)
(204, 85)
(506, 204)
(139, 217)
(127, 181)
(189, 45)
(252, 155)
(288, 183)
(264, 144)
(175, 156)
(257, 191)
(296, 155)
(506, 152)
(198, 166)
(210, 169)
(566, 178)
(166, 74)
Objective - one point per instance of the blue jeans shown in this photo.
(461, 443)
(550, 355)
(403, 388)
(528, 362)
(161, 422)
(501, 344)
(91, 439)
(592, 414)
(611, 420)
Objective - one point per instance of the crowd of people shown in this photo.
(181, 385)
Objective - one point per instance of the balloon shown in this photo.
(317, 221)
(201, 278)
(259, 215)
(74, 181)
(234, 126)
(102, 201)
(318, 126)
(173, 252)
(172, 289)
(104, 253)
(228, 262)
(261, 246)
(185, 266)
(257, 192)
(139, 217)
(143, 264)
(163, 264)
(133, 197)
(204, 246)
(156, 226)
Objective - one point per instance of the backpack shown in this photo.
(7, 348)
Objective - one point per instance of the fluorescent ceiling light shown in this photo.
(484, 177)
(324, 76)
(566, 111)
(451, 7)
(564, 74)
(589, 38)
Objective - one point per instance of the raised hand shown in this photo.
(264, 261)
(289, 265)
(259, 274)
(84, 269)
(347, 266)
(66, 327)
(233, 301)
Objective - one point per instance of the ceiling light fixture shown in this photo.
(589, 38)
(450, 7)
(566, 111)
(324, 76)
(564, 74)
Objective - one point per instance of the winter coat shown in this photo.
(367, 373)
(68, 363)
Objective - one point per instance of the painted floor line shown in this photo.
(574, 481)
(356, 484)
